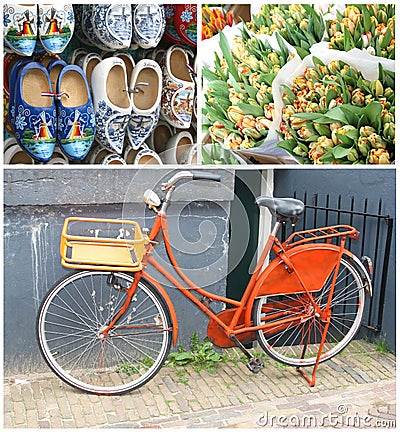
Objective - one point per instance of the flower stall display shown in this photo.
(369, 27)
(303, 84)
(239, 104)
(300, 25)
(213, 20)
(332, 114)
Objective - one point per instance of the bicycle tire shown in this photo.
(69, 324)
(297, 343)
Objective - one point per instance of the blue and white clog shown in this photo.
(76, 125)
(34, 119)
(145, 87)
(148, 24)
(111, 101)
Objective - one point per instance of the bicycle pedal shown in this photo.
(255, 364)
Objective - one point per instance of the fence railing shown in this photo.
(376, 231)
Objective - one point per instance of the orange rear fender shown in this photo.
(313, 262)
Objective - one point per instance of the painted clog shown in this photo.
(185, 22)
(54, 68)
(158, 139)
(112, 104)
(13, 154)
(87, 63)
(129, 63)
(9, 62)
(178, 88)
(56, 27)
(101, 156)
(75, 55)
(190, 157)
(78, 31)
(75, 113)
(35, 112)
(148, 24)
(177, 148)
(88, 28)
(58, 158)
(112, 24)
(13, 78)
(141, 156)
(170, 34)
(145, 88)
(20, 28)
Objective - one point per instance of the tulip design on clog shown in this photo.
(145, 86)
(178, 88)
(112, 104)
(56, 27)
(20, 28)
(75, 113)
(148, 24)
(35, 112)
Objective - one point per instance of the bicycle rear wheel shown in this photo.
(72, 317)
(297, 343)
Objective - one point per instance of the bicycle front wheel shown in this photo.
(69, 330)
(298, 341)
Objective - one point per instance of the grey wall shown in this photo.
(360, 184)
(36, 203)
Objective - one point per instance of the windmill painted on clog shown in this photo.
(42, 132)
(26, 26)
(75, 131)
(53, 27)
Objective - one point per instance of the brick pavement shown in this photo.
(356, 388)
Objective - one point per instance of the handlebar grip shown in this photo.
(198, 175)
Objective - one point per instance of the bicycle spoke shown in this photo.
(302, 337)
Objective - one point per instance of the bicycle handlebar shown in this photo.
(195, 175)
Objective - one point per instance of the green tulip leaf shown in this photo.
(340, 152)
(289, 92)
(288, 145)
(251, 91)
(253, 110)
(387, 38)
(226, 52)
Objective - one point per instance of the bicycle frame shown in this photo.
(234, 326)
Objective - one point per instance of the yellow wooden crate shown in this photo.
(111, 244)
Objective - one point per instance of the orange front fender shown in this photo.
(168, 302)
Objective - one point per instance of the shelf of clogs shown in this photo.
(122, 84)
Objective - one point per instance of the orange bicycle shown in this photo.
(107, 328)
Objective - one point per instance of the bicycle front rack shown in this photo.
(102, 244)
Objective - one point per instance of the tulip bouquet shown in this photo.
(370, 27)
(214, 20)
(333, 115)
(238, 100)
(300, 25)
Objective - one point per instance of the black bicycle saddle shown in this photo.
(284, 207)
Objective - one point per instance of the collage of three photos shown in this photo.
(247, 150)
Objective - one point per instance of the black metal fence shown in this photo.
(376, 231)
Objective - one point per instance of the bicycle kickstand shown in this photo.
(255, 364)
